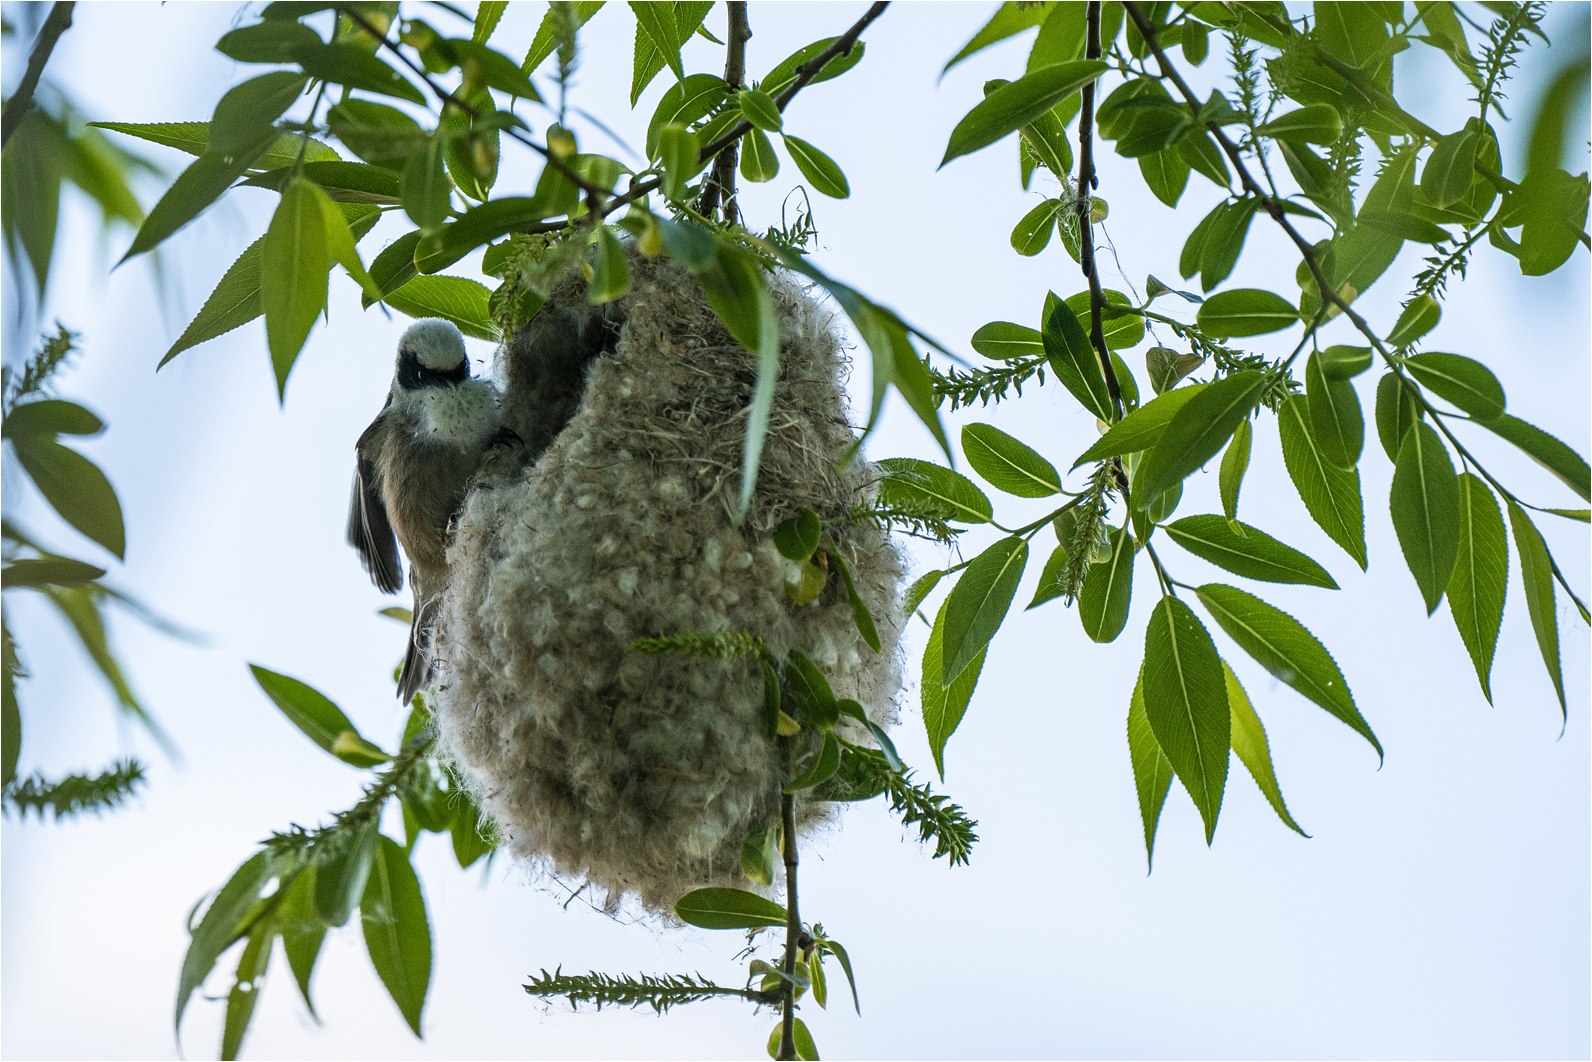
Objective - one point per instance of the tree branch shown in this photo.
(1272, 206)
(21, 101)
(1086, 184)
(793, 921)
(718, 191)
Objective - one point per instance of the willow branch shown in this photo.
(718, 192)
(1087, 181)
(1272, 205)
(793, 922)
(21, 102)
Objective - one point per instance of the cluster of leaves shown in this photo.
(302, 882)
(1188, 709)
(76, 489)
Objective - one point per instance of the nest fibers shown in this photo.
(644, 774)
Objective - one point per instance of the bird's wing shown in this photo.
(369, 531)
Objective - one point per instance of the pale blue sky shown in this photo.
(1440, 910)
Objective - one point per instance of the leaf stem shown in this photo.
(1087, 182)
(21, 102)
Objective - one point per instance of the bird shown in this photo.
(414, 464)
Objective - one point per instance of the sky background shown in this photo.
(1440, 908)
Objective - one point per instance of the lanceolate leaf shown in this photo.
(302, 930)
(1465, 382)
(1140, 429)
(821, 171)
(397, 931)
(728, 909)
(224, 922)
(1398, 409)
(1196, 432)
(1152, 771)
(234, 302)
(1425, 506)
(1235, 462)
(457, 299)
(1245, 312)
(294, 263)
(246, 986)
(1073, 358)
(1017, 104)
(1331, 494)
(1185, 699)
(1536, 573)
(75, 488)
(1281, 645)
(1247, 551)
(320, 720)
(944, 706)
(923, 484)
(1254, 751)
(1336, 423)
(1105, 597)
(979, 602)
(195, 189)
(1547, 451)
(1008, 464)
(1481, 576)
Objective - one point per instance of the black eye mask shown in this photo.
(412, 375)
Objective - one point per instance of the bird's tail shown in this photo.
(418, 664)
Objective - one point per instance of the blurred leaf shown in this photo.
(805, 1048)
(375, 132)
(944, 706)
(1331, 494)
(456, 299)
(679, 149)
(824, 765)
(351, 65)
(1152, 771)
(1017, 104)
(979, 602)
(1480, 581)
(1254, 751)
(426, 189)
(1425, 507)
(1107, 590)
(75, 488)
(1450, 169)
(546, 39)
(728, 909)
(397, 930)
(1281, 645)
(247, 111)
(859, 611)
(1007, 464)
(49, 416)
(612, 278)
(760, 853)
(1247, 551)
(192, 137)
(1235, 462)
(1197, 432)
(48, 571)
(1536, 575)
(10, 712)
(1185, 700)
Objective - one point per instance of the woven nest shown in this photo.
(643, 774)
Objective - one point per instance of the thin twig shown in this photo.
(1087, 181)
(718, 191)
(793, 921)
(21, 101)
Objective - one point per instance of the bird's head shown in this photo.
(431, 354)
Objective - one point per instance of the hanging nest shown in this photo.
(643, 774)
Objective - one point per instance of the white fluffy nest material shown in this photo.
(643, 774)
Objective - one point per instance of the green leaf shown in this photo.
(1223, 243)
(48, 571)
(246, 113)
(1073, 359)
(1450, 170)
(1336, 423)
(471, 833)
(293, 276)
(797, 537)
(546, 40)
(1165, 173)
(979, 602)
(225, 921)
(1465, 382)
(758, 161)
(246, 986)
(1245, 312)
(612, 278)
(50, 416)
(805, 1048)
(679, 149)
(1254, 751)
(1331, 494)
(194, 189)
(728, 909)
(1196, 432)
(1398, 409)
(1122, 330)
(1185, 700)
(758, 107)
(1017, 104)
(492, 68)
(859, 610)
(657, 21)
(924, 485)
(302, 930)
(919, 590)
(782, 76)
(321, 721)
(1247, 551)
(1166, 366)
(1007, 464)
(683, 103)
(1417, 319)
(1201, 153)
(819, 169)
(1343, 363)
(760, 853)
(1281, 645)
(1004, 341)
(1481, 575)
(1547, 451)
(1152, 771)
(266, 42)
(456, 299)
(1107, 590)
(1009, 19)
(1235, 462)
(816, 704)
(1425, 507)
(1142, 428)
(376, 132)
(944, 706)
(1536, 574)
(397, 932)
(426, 187)
(825, 764)
(1034, 229)
(738, 291)
(487, 14)
(75, 488)
(234, 302)
(351, 65)
(1318, 123)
